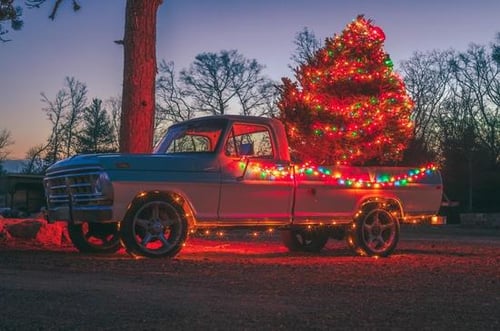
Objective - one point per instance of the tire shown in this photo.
(374, 233)
(303, 240)
(95, 238)
(154, 227)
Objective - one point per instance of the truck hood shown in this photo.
(139, 162)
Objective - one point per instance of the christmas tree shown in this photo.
(348, 106)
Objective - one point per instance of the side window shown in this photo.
(249, 140)
(190, 143)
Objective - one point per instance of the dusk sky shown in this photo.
(81, 45)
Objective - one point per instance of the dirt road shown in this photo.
(445, 278)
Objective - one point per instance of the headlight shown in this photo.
(103, 185)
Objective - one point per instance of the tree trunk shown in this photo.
(139, 74)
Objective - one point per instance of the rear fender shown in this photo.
(394, 206)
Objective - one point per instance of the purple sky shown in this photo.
(81, 44)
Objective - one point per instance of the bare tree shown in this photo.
(217, 81)
(5, 141)
(64, 113)
(255, 92)
(478, 75)
(496, 49)
(306, 45)
(427, 77)
(54, 111)
(77, 92)
(266, 101)
(208, 80)
(35, 161)
(172, 99)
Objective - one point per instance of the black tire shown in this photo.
(375, 232)
(154, 227)
(304, 240)
(95, 238)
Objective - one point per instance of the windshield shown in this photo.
(192, 137)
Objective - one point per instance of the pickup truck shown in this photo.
(232, 172)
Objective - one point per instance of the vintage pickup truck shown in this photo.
(232, 172)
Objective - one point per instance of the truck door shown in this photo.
(255, 187)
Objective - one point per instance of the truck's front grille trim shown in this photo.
(75, 186)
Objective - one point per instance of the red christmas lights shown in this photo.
(348, 106)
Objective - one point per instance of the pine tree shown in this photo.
(348, 106)
(96, 135)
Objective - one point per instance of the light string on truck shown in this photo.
(309, 171)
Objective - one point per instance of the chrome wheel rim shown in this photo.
(379, 231)
(157, 227)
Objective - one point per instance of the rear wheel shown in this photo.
(304, 240)
(374, 233)
(154, 227)
(95, 237)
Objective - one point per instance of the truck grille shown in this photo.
(77, 186)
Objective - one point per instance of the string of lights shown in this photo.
(334, 175)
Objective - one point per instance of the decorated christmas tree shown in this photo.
(348, 106)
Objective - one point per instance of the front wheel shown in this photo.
(154, 227)
(303, 240)
(95, 238)
(374, 233)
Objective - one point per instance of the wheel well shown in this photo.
(391, 205)
(173, 197)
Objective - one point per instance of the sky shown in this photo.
(80, 45)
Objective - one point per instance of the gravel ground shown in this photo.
(444, 277)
